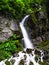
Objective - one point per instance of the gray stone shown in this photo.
(14, 26)
(7, 31)
(6, 28)
(39, 39)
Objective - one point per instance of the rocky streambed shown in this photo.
(24, 58)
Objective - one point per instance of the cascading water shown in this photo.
(27, 41)
(28, 45)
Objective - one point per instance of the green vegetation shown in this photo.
(14, 8)
(44, 45)
(10, 47)
(17, 8)
(7, 63)
(44, 63)
(45, 4)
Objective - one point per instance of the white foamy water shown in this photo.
(27, 41)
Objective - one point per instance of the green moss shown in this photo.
(7, 63)
(36, 58)
(34, 19)
(44, 63)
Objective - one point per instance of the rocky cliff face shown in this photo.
(38, 27)
(7, 27)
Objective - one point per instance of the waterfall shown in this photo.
(28, 43)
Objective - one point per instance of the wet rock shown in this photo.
(36, 58)
(37, 52)
(45, 57)
(25, 57)
(15, 55)
(21, 62)
(12, 61)
(7, 63)
(29, 50)
(31, 63)
(24, 52)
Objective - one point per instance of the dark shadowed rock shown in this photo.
(37, 52)
(25, 57)
(21, 62)
(15, 55)
(31, 63)
(29, 50)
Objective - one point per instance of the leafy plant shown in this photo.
(10, 47)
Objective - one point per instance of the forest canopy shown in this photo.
(18, 8)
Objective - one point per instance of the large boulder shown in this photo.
(14, 26)
(7, 27)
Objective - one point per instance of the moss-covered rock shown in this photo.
(21, 62)
(7, 63)
(44, 63)
(36, 58)
(31, 63)
(45, 47)
(37, 52)
(29, 50)
(12, 61)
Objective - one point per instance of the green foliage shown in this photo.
(44, 45)
(16, 8)
(10, 47)
(45, 5)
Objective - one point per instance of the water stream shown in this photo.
(28, 44)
